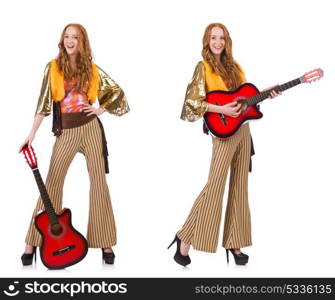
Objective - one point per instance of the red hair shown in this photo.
(227, 68)
(83, 72)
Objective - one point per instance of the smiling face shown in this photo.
(71, 41)
(216, 42)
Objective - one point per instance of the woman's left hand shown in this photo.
(91, 110)
(273, 93)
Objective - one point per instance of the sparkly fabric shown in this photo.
(110, 95)
(203, 81)
(194, 105)
(44, 103)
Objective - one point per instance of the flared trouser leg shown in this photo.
(202, 226)
(87, 140)
(64, 150)
(101, 229)
(237, 226)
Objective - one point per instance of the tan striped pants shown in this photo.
(86, 139)
(202, 226)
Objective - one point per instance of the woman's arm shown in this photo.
(111, 97)
(195, 105)
(43, 107)
(36, 124)
(91, 110)
(231, 109)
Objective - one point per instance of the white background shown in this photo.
(159, 163)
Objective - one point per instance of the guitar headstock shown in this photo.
(30, 156)
(311, 76)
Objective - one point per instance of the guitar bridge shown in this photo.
(222, 118)
(63, 250)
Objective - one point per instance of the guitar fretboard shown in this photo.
(45, 197)
(263, 95)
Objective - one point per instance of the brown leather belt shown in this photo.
(72, 120)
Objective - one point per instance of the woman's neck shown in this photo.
(218, 58)
(73, 62)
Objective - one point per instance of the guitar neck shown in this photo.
(263, 95)
(45, 197)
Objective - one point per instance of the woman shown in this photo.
(218, 71)
(71, 84)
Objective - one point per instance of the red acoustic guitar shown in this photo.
(62, 245)
(248, 96)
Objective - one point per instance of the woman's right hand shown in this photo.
(232, 109)
(37, 122)
(28, 141)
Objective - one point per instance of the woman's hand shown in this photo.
(37, 122)
(232, 109)
(28, 141)
(91, 110)
(273, 93)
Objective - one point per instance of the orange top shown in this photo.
(57, 83)
(214, 81)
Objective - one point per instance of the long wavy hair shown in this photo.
(227, 68)
(83, 71)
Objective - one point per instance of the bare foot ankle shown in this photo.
(184, 248)
(108, 250)
(29, 249)
(237, 251)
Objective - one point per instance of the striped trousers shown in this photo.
(86, 139)
(202, 226)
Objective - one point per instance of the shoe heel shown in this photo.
(175, 239)
(35, 253)
(27, 258)
(108, 257)
(240, 259)
(178, 257)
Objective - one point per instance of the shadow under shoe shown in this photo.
(27, 258)
(240, 259)
(178, 257)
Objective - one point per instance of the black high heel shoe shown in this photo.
(107, 257)
(27, 258)
(240, 259)
(178, 257)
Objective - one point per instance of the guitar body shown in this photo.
(225, 126)
(62, 249)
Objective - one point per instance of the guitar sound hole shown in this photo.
(244, 108)
(56, 229)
